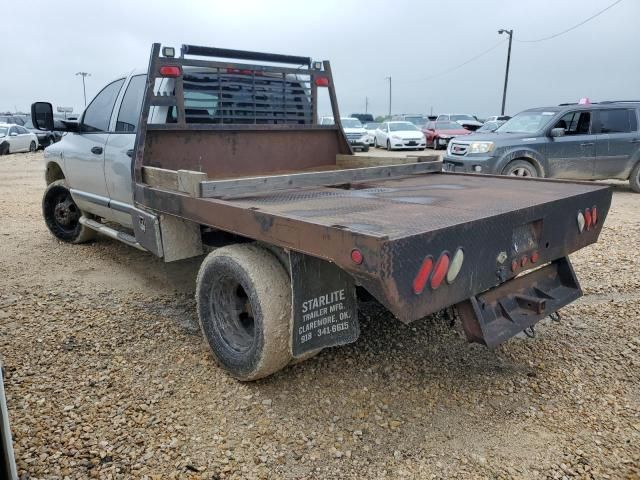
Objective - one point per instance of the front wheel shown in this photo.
(520, 168)
(62, 215)
(434, 143)
(375, 143)
(634, 179)
(388, 145)
(244, 307)
(32, 146)
(365, 148)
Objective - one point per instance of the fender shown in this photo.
(530, 154)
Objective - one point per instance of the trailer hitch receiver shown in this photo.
(496, 315)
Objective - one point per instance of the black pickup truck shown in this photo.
(229, 154)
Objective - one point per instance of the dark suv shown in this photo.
(579, 142)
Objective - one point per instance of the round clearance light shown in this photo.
(580, 221)
(356, 256)
(456, 265)
(440, 270)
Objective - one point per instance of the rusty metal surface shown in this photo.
(227, 153)
(397, 223)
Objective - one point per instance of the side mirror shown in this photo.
(42, 115)
(557, 132)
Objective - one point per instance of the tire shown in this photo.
(520, 168)
(32, 146)
(375, 143)
(634, 179)
(62, 215)
(421, 149)
(4, 148)
(434, 143)
(244, 308)
(388, 145)
(365, 149)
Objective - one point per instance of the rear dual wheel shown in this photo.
(243, 295)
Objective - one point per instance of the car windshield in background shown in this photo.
(351, 123)
(402, 126)
(448, 126)
(526, 122)
(416, 120)
(3, 132)
(455, 118)
(371, 126)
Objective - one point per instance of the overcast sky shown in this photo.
(366, 41)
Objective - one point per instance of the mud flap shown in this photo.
(325, 309)
(496, 315)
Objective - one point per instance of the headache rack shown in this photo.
(200, 100)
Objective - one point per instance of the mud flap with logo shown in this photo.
(325, 310)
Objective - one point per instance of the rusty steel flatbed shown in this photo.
(397, 222)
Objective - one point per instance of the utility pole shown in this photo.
(366, 104)
(84, 89)
(506, 73)
(389, 78)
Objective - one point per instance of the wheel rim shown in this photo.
(521, 172)
(66, 213)
(232, 309)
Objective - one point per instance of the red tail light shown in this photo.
(594, 215)
(535, 256)
(170, 71)
(322, 81)
(356, 256)
(440, 270)
(588, 219)
(423, 275)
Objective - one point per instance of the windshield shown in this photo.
(371, 126)
(526, 122)
(401, 126)
(351, 123)
(448, 126)
(3, 131)
(462, 117)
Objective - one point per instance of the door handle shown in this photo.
(130, 153)
(588, 144)
(96, 150)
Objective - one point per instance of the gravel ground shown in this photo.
(107, 376)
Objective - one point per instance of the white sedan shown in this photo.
(399, 135)
(16, 138)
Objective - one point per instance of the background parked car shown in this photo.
(399, 135)
(45, 137)
(415, 118)
(355, 133)
(497, 118)
(490, 126)
(12, 119)
(371, 128)
(469, 122)
(576, 142)
(438, 134)
(363, 117)
(16, 138)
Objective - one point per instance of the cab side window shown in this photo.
(129, 114)
(617, 121)
(13, 130)
(575, 123)
(98, 114)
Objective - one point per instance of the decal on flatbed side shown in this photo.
(325, 311)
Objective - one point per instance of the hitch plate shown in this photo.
(496, 315)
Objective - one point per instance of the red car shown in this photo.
(439, 133)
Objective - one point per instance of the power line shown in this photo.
(459, 65)
(571, 28)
